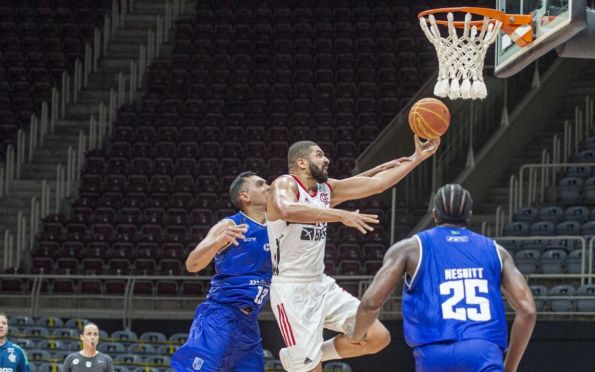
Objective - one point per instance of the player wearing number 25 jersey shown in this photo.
(453, 312)
(225, 335)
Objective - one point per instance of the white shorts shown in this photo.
(303, 310)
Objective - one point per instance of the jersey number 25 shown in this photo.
(466, 290)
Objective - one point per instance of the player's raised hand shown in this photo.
(427, 148)
(359, 221)
(231, 234)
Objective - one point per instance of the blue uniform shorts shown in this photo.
(221, 338)
(472, 355)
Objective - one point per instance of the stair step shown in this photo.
(117, 62)
(82, 110)
(129, 48)
(39, 172)
(146, 16)
(96, 95)
(134, 36)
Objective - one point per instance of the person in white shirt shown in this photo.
(303, 299)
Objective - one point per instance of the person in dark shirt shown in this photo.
(89, 359)
(12, 357)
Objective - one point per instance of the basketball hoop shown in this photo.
(461, 58)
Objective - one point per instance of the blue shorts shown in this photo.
(221, 338)
(463, 356)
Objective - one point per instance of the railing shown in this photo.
(28, 139)
(99, 127)
(533, 180)
(586, 260)
(473, 124)
(39, 299)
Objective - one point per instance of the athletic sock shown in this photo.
(328, 350)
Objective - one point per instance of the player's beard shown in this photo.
(318, 173)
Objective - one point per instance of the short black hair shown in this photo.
(298, 150)
(237, 186)
(453, 205)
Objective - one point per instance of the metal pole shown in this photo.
(32, 222)
(393, 203)
(106, 33)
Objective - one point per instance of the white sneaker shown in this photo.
(284, 358)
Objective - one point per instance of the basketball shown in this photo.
(429, 118)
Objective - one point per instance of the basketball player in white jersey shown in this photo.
(303, 298)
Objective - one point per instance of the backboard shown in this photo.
(555, 22)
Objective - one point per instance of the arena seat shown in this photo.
(586, 304)
(562, 304)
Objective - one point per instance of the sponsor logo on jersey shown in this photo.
(6, 370)
(457, 239)
(75, 362)
(324, 197)
(266, 247)
(88, 364)
(313, 234)
(197, 364)
(250, 239)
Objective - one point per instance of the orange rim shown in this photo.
(510, 22)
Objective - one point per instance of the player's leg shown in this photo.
(247, 355)
(209, 340)
(340, 311)
(298, 310)
(468, 355)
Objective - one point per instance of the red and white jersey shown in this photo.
(297, 249)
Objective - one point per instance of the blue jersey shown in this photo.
(13, 358)
(243, 272)
(454, 294)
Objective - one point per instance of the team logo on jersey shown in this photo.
(197, 364)
(88, 364)
(266, 247)
(75, 362)
(12, 358)
(325, 198)
(312, 234)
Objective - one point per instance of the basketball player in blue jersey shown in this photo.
(225, 335)
(453, 312)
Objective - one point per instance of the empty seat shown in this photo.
(553, 261)
(552, 213)
(586, 301)
(124, 335)
(569, 190)
(559, 303)
(539, 294)
(526, 261)
(526, 214)
(516, 229)
(540, 228)
(574, 261)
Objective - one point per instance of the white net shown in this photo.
(461, 58)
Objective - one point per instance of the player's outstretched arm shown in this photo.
(282, 203)
(520, 298)
(224, 233)
(385, 282)
(384, 166)
(358, 187)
